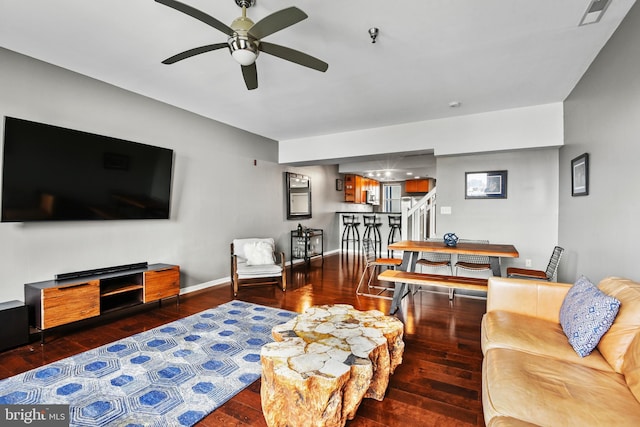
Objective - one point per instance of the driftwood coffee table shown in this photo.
(324, 362)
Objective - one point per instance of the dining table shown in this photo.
(412, 249)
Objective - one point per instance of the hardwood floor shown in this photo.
(437, 384)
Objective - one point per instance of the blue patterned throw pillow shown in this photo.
(586, 315)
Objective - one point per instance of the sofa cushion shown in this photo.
(631, 367)
(586, 314)
(535, 298)
(551, 392)
(615, 343)
(504, 329)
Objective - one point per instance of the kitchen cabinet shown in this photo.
(356, 188)
(416, 186)
(372, 195)
(350, 188)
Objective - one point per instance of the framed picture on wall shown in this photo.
(580, 175)
(485, 185)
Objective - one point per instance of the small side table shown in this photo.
(15, 316)
(307, 245)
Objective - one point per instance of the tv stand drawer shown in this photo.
(160, 284)
(70, 303)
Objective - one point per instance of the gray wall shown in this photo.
(602, 117)
(218, 193)
(527, 218)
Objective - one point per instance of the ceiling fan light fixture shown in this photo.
(244, 38)
(243, 50)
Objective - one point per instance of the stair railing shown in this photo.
(419, 220)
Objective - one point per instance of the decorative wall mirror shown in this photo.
(298, 196)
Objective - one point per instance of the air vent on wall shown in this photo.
(594, 12)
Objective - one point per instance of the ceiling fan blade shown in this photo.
(293, 56)
(195, 13)
(193, 52)
(277, 21)
(250, 74)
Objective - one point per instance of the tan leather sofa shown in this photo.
(531, 376)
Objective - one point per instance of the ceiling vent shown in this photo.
(594, 12)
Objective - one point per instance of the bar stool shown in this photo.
(372, 226)
(395, 222)
(350, 233)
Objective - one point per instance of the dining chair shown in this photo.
(435, 260)
(550, 274)
(473, 263)
(371, 264)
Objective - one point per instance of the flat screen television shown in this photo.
(50, 173)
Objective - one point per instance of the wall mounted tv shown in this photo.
(51, 173)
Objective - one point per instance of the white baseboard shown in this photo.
(226, 280)
(205, 285)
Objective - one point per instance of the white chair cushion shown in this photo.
(259, 253)
(256, 271)
(239, 245)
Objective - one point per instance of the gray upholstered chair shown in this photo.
(550, 274)
(254, 262)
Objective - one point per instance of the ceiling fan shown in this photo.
(245, 38)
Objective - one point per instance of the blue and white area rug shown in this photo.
(173, 375)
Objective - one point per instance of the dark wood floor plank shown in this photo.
(438, 384)
(245, 415)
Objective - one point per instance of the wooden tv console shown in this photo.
(78, 296)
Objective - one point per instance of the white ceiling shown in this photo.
(489, 55)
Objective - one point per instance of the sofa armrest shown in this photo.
(529, 297)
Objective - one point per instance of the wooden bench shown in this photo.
(423, 279)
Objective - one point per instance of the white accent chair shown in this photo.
(254, 262)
